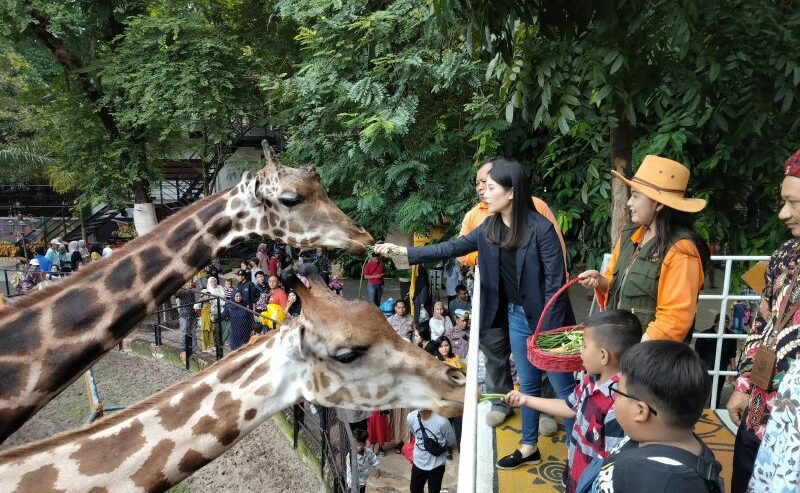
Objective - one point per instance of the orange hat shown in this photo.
(664, 181)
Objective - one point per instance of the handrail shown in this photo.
(467, 463)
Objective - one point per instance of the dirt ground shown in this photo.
(262, 461)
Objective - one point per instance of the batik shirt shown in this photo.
(596, 430)
(772, 472)
(786, 342)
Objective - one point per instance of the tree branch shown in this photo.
(73, 63)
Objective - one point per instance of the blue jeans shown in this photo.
(374, 292)
(530, 377)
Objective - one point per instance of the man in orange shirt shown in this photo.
(480, 212)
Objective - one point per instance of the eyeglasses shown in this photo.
(614, 387)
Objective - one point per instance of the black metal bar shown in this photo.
(298, 417)
(187, 341)
(157, 329)
(8, 289)
(323, 424)
(219, 342)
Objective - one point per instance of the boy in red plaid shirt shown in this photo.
(606, 336)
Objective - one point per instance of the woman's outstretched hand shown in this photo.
(386, 249)
(591, 279)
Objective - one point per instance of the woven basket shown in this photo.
(551, 361)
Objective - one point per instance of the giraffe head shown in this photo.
(275, 196)
(349, 356)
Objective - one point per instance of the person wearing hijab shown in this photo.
(263, 258)
(241, 321)
(83, 250)
(75, 257)
(65, 258)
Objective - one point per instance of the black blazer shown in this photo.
(540, 271)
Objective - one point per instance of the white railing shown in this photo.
(468, 466)
(724, 298)
(467, 462)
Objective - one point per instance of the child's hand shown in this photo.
(515, 399)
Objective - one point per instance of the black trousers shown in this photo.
(496, 347)
(433, 477)
(745, 449)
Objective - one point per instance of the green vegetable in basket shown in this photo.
(566, 343)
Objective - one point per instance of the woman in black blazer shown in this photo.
(522, 266)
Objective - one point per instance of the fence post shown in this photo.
(323, 425)
(157, 328)
(187, 338)
(219, 329)
(8, 287)
(298, 417)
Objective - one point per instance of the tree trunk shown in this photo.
(144, 211)
(621, 152)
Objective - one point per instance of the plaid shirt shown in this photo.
(596, 430)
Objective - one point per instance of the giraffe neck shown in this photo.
(52, 336)
(159, 442)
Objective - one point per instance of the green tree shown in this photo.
(706, 83)
(392, 112)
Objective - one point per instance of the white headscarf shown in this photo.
(214, 288)
(82, 248)
(73, 246)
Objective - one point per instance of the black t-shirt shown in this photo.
(654, 469)
(509, 288)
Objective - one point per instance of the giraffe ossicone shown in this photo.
(50, 337)
(336, 353)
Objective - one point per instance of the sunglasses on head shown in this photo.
(614, 387)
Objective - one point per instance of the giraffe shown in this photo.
(50, 337)
(335, 353)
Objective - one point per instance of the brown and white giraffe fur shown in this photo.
(160, 441)
(50, 337)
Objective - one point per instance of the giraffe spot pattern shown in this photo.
(99, 489)
(236, 204)
(167, 285)
(152, 262)
(220, 227)
(199, 254)
(12, 419)
(250, 414)
(225, 426)
(121, 277)
(251, 224)
(258, 372)
(233, 372)
(151, 475)
(42, 480)
(278, 233)
(210, 211)
(11, 379)
(93, 456)
(76, 311)
(125, 315)
(182, 234)
(21, 335)
(70, 359)
(173, 417)
(192, 461)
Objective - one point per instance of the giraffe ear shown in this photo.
(253, 192)
(269, 154)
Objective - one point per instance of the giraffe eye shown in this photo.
(348, 355)
(291, 200)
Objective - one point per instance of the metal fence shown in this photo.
(328, 434)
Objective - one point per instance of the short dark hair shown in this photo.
(460, 288)
(359, 435)
(401, 300)
(242, 273)
(615, 330)
(671, 377)
(260, 272)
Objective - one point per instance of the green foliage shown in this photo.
(713, 85)
(392, 112)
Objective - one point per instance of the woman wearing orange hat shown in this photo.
(658, 264)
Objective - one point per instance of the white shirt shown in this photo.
(439, 327)
(107, 251)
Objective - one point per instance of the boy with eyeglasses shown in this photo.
(661, 393)
(606, 337)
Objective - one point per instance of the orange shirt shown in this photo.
(678, 287)
(480, 212)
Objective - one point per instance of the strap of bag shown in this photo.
(422, 428)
